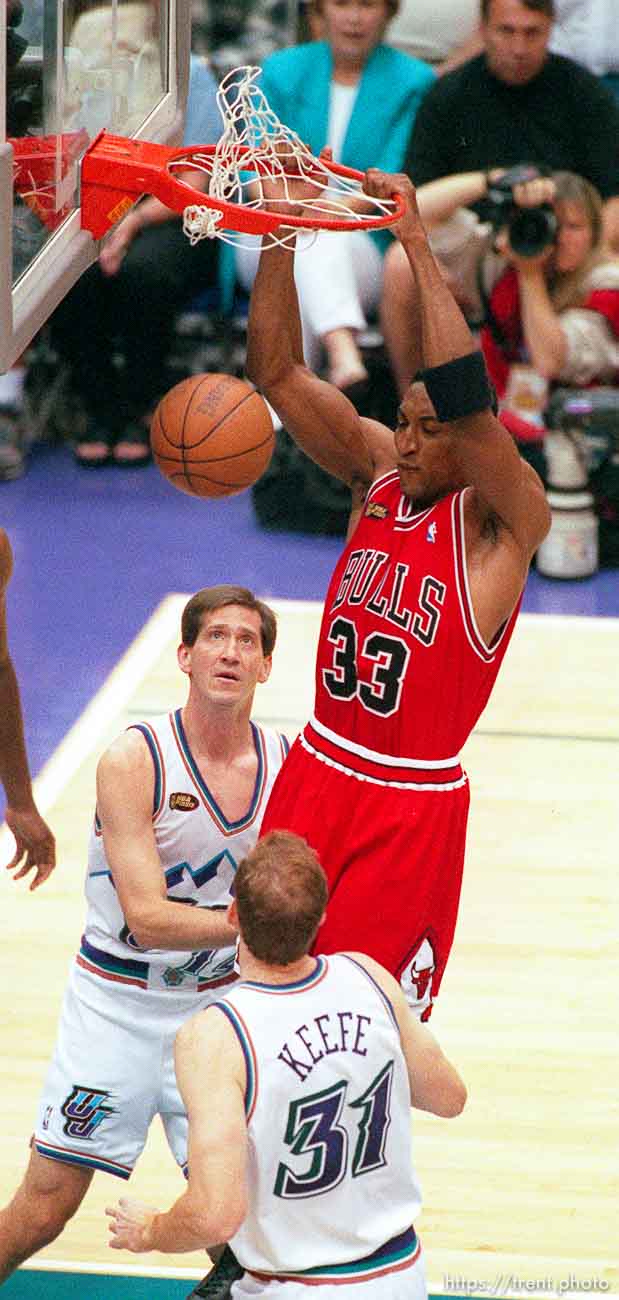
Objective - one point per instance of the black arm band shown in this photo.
(459, 388)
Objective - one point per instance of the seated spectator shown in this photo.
(358, 96)
(114, 329)
(518, 102)
(447, 35)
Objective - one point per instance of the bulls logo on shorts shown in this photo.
(416, 976)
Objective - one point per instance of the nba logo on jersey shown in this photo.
(431, 533)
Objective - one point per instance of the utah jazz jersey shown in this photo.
(402, 672)
(199, 851)
(329, 1127)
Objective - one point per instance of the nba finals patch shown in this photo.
(182, 802)
(374, 510)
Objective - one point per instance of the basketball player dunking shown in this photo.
(417, 619)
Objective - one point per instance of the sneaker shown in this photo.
(12, 459)
(217, 1284)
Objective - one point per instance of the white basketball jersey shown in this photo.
(199, 851)
(332, 1191)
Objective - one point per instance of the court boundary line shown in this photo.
(112, 1269)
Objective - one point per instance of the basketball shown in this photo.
(212, 435)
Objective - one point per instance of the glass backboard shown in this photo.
(73, 68)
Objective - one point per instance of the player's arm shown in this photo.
(316, 414)
(125, 792)
(211, 1076)
(35, 848)
(434, 1082)
(487, 456)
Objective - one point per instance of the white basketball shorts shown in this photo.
(112, 1071)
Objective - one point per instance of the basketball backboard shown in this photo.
(70, 69)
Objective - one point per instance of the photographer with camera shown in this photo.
(465, 247)
(537, 276)
(553, 315)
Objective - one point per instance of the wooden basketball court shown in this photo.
(520, 1191)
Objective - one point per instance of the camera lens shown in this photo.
(531, 230)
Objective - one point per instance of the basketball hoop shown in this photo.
(254, 149)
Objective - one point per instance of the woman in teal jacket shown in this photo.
(360, 97)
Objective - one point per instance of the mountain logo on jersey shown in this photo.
(416, 976)
(208, 965)
(431, 533)
(84, 1110)
(374, 510)
(180, 801)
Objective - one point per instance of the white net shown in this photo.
(261, 166)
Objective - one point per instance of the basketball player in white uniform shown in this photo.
(298, 1084)
(180, 800)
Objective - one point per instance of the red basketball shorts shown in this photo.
(394, 861)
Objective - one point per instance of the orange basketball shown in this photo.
(212, 435)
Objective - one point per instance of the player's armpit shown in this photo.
(506, 486)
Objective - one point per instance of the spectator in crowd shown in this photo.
(584, 30)
(513, 103)
(147, 271)
(363, 101)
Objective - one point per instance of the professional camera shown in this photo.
(530, 230)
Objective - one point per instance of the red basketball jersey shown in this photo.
(402, 672)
